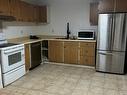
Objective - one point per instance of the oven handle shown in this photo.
(13, 51)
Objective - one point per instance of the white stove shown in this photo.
(12, 59)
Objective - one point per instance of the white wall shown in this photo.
(16, 29)
(62, 11)
(76, 12)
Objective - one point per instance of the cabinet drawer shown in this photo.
(84, 60)
(87, 51)
(71, 44)
(55, 43)
(87, 44)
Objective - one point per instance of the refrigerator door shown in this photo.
(119, 32)
(104, 35)
(112, 62)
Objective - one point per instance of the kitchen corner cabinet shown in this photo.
(107, 6)
(27, 57)
(71, 52)
(94, 13)
(55, 51)
(87, 53)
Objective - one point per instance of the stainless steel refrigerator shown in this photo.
(111, 43)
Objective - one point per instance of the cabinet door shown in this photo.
(87, 49)
(94, 13)
(106, 6)
(24, 11)
(87, 53)
(43, 14)
(85, 60)
(27, 57)
(15, 9)
(55, 51)
(121, 6)
(4, 7)
(30, 13)
(71, 52)
(36, 14)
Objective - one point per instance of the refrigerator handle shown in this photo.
(105, 53)
(113, 31)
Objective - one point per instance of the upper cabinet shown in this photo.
(4, 7)
(43, 14)
(23, 11)
(94, 13)
(15, 9)
(107, 6)
(121, 6)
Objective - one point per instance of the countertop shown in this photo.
(26, 40)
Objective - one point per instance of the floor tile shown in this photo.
(51, 79)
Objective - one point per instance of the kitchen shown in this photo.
(53, 77)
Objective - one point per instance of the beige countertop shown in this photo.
(26, 40)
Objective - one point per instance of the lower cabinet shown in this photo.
(55, 51)
(87, 53)
(71, 52)
(27, 57)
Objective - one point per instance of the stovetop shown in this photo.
(7, 45)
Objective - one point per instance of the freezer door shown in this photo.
(104, 34)
(119, 32)
(110, 62)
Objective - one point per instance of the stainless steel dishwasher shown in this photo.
(35, 54)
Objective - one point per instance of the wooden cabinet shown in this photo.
(27, 57)
(121, 6)
(30, 13)
(15, 8)
(36, 14)
(23, 11)
(4, 7)
(55, 51)
(87, 53)
(43, 14)
(94, 13)
(71, 52)
(106, 6)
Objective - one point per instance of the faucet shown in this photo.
(68, 31)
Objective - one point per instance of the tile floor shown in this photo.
(50, 79)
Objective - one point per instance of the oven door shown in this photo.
(12, 58)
